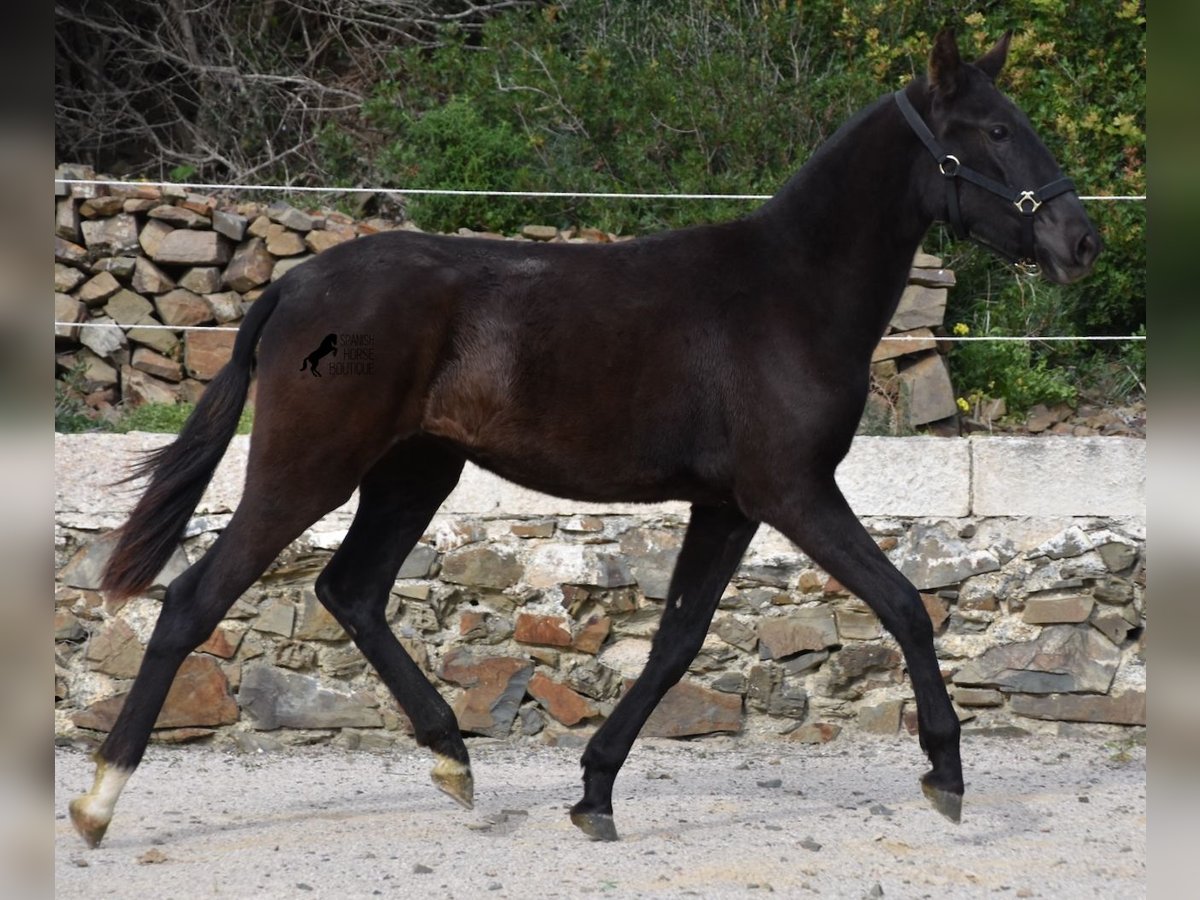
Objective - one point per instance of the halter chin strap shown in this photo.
(1026, 202)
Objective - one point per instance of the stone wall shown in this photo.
(531, 614)
(135, 258)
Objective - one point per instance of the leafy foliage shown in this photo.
(686, 96)
(715, 96)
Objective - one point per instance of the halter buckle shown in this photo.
(1028, 267)
(1031, 197)
(949, 165)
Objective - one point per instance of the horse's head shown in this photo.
(991, 176)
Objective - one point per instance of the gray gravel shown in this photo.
(722, 817)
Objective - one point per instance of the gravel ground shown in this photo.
(721, 817)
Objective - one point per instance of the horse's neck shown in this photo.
(851, 213)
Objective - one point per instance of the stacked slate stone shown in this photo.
(534, 627)
(134, 256)
(910, 382)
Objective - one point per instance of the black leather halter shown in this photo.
(1026, 202)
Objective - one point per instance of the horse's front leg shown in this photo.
(817, 518)
(712, 548)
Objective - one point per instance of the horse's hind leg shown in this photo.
(271, 515)
(712, 548)
(397, 499)
(820, 521)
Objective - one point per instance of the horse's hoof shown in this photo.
(89, 827)
(597, 826)
(948, 803)
(454, 778)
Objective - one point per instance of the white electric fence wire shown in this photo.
(601, 195)
(450, 192)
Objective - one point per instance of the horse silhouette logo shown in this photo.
(328, 345)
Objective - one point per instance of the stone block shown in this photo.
(1062, 659)
(547, 630)
(1059, 476)
(495, 687)
(182, 307)
(115, 650)
(881, 718)
(201, 280)
(68, 309)
(322, 240)
(314, 622)
(909, 476)
(553, 564)
(180, 217)
(66, 278)
(592, 635)
(149, 278)
(112, 236)
(290, 217)
(159, 339)
(98, 289)
(284, 266)
(226, 306)
(936, 557)
(903, 343)
(926, 389)
(857, 625)
(205, 352)
(127, 308)
(691, 709)
(153, 363)
(275, 616)
(138, 388)
(151, 236)
(651, 553)
(1128, 708)
(230, 224)
(275, 698)
(975, 697)
(192, 248)
(920, 307)
(560, 701)
(419, 562)
(798, 631)
(66, 220)
(199, 697)
(1055, 610)
(494, 567)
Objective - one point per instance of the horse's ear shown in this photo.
(993, 61)
(945, 63)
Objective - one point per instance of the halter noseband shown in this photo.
(1026, 202)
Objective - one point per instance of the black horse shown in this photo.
(731, 359)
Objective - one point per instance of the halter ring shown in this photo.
(1031, 196)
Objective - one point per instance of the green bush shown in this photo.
(729, 96)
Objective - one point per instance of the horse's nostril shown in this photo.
(1087, 249)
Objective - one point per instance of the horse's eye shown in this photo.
(998, 133)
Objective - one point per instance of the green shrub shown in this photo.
(728, 96)
(71, 414)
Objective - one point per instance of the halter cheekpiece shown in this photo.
(1026, 202)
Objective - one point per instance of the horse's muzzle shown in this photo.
(1068, 252)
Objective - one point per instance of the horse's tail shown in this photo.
(180, 471)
